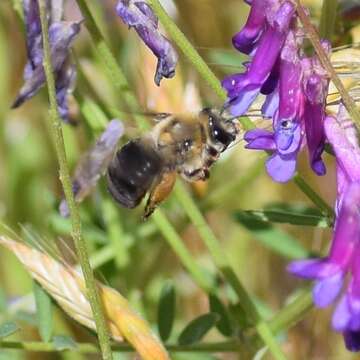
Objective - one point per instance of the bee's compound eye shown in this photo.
(219, 134)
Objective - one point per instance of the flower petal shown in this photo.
(244, 93)
(341, 134)
(246, 39)
(314, 115)
(342, 315)
(352, 340)
(313, 268)
(139, 15)
(259, 139)
(281, 169)
(271, 104)
(61, 36)
(325, 291)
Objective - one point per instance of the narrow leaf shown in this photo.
(166, 310)
(8, 329)
(273, 238)
(198, 328)
(293, 216)
(44, 312)
(217, 307)
(62, 342)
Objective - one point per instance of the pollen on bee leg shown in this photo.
(160, 192)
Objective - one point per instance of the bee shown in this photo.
(187, 145)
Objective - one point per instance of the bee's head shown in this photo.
(221, 131)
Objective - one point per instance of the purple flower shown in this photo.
(244, 88)
(246, 40)
(94, 163)
(344, 257)
(288, 128)
(138, 14)
(316, 84)
(61, 36)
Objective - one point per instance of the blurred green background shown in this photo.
(132, 256)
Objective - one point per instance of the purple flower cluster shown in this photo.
(341, 268)
(139, 15)
(61, 36)
(295, 87)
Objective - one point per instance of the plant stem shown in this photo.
(292, 313)
(88, 348)
(192, 55)
(328, 17)
(314, 197)
(182, 252)
(325, 61)
(220, 258)
(118, 78)
(114, 72)
(65, 179)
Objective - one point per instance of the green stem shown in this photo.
(182, 252)
(65, 179)
(325, 61)
(192, 55)
(292, 313)
(328, 17)
(17, 5)
(108, 59)
(88, 348)
(118, 78)
(220, 258)
(313, 196)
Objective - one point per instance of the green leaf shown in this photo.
(44, 312)
(294, 215)
(239, 315)
(273, 238)
(198, 328)
(166, 311)
(7, 329)
(62, 342)
(217, 307)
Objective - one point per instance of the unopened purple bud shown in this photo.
(138, 14)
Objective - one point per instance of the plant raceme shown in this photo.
(61, 36)
(343, 261)
(295, 88)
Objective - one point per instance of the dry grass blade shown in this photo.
(67, 287)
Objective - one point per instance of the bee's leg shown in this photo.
(160, 191)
